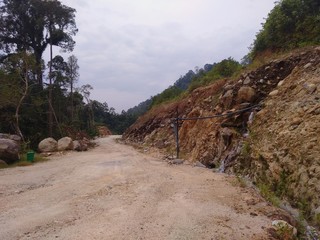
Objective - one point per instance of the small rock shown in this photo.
(310, 87)
(247, 81)
(199, 164)
(283, 226)
(177, 161)
(280, 83)
(307, 65)
(274, 93)
(296, 121)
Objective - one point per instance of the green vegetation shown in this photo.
(291, 24)
(267, 192)
(209, 73)
(224, 69)
(39, 99)
(168, 94)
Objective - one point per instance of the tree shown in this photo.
(73, 75)
(31, 25)
(59, 71)
(290, 24)
(16, 73)
(85, 90)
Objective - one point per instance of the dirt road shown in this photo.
(115, 192)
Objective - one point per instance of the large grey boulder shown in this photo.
(9, 150)
(48, 145)
(65, 144)
(246, 94)
(11, 137)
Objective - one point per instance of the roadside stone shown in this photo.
(76, 145)
(48, 145)
(199, 164)
(65, 143)
(80, 145)
(9, 150)
(177, 161)
(11, 137)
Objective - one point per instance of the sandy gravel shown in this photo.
(115, 192)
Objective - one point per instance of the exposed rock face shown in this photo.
(48, 145)
(65, 144)
(9, 149)
(279, 146)
(285, 138)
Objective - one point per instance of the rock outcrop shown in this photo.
(266, 127)
(48, 145)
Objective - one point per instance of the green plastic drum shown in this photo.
(30, 156)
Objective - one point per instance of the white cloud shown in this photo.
(134, 49)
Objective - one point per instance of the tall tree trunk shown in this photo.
(50, 110)
(17, 113)
(72, 108)
(39, 69)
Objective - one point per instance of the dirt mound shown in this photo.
(104, 131)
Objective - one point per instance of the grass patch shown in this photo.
(268, 194)
(23, 162)
(241, 182)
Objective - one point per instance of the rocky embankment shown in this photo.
(276, 142)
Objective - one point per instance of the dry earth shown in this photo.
(115, 192)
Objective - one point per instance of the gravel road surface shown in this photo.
(116, 192)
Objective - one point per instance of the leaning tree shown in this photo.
(33, 25)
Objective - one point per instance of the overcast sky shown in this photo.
(129, 50)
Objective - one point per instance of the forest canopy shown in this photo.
(290, 24)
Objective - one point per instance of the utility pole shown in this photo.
(176, 132)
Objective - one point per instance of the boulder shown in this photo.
(9, 150)
(11, 137)
(76, 145)
(48, 145)
(246, 94)
(80, 146)
(65, 144)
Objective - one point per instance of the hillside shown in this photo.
(275, 144)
